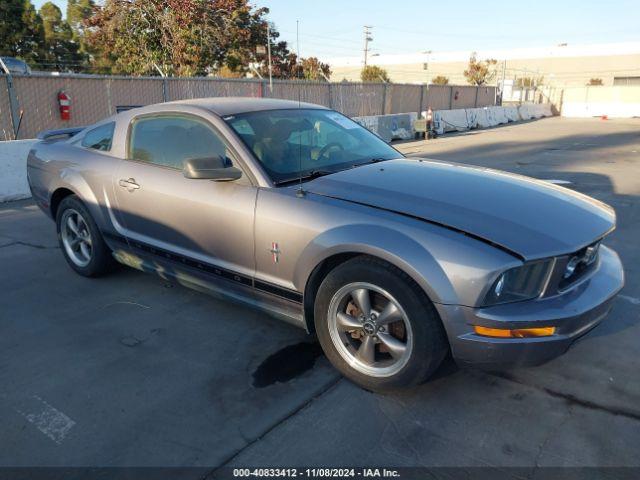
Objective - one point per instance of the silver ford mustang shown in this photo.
(301, 212)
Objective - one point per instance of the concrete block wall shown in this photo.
(13, 170)
(467, 118)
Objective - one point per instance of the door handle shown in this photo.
(130, 184)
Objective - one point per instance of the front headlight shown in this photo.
(519, 283)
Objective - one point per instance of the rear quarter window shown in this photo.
(99, 138)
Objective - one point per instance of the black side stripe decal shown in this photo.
(211, 269)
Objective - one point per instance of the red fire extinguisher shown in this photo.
(64, 102)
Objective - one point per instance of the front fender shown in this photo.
(388, 244)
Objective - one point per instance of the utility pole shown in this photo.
(297, 42)
(269, 57)
(367, 39)
(504, 72)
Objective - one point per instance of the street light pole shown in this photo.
(269, 57)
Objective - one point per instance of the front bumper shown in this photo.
(573, 313)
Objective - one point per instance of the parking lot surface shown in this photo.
(130, 370)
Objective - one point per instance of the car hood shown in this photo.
(531, 218)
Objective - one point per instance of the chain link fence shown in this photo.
(32, 100)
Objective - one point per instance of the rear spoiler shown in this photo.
(62, 132)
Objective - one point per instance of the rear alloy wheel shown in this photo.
(80, 239)
(76, 238)
(377, 326)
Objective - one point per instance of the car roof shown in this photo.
(224, 106)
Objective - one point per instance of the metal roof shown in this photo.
(223, 106)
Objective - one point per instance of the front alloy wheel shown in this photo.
(369, 329)
(377, 326)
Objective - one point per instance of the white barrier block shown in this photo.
(484, 119)
(499, 115)
(453, 120)
(473, 117)
(13, 169)
(512, 114)
(524, 111)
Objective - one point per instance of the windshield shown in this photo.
(307, 142)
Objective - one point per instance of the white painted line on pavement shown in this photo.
(50, 421)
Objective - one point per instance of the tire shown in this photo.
(403, 328)
(86, 252)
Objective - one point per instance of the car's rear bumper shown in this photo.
(573, 313)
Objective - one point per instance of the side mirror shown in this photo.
(210, 168)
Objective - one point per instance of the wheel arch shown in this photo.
(73, 183)
(57, 196)
(390, 246)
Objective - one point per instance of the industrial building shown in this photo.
(560, 65)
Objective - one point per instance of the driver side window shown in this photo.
(168, 140)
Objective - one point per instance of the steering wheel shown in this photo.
(326, 148)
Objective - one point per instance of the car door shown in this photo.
(201, 220)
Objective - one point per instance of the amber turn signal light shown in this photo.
(518, 333)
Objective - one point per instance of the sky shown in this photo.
(334, 28)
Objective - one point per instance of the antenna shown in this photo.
(300, 192)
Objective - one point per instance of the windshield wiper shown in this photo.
(307, 176)
(371, 160)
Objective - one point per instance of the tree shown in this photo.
(11, 26)
(78, 13)
(226, 72)
(440, 80)
(21, 32)
(60, 48)
(524, 82)
(314, 69)
(32, 44)
(595, 82)
(181, 37)
(373, 73)
(480, 72)
(284, 63)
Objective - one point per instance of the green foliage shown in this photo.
(43, 39)
(60, 48)
(440, 80)
(21, 31)
(32, 47)
(480, 72)
(143, 37)
(314, 69)
(373, 73)
(595, 82)
(11, 26)
(78, 12)
(181, 37)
